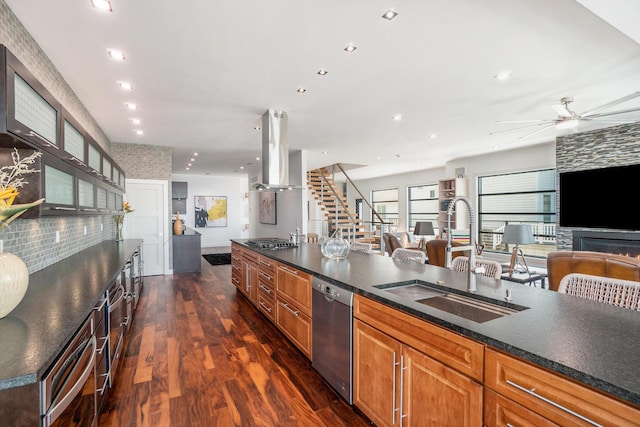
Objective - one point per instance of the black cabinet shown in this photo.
(187, 256)
(179, 194)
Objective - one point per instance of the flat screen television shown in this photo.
(600, 198)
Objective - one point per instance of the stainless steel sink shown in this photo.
(475, 309)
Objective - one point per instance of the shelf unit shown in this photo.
(447, 190)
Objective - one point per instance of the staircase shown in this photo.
(334, 205)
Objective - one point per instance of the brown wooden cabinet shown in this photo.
(249, 280)
(551, 396)
(395, 384)
(293, 306)
(236, 265)
(267, 287)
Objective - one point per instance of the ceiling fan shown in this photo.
(568, 119)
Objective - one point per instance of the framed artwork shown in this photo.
(210, 211)
(267, 210)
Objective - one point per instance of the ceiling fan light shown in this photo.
(568, 124)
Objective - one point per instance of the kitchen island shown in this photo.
(593, 345)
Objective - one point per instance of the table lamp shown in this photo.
(423, 228)
(518, 234)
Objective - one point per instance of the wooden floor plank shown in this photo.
(199, 354)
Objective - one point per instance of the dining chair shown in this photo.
(491, 268)
(618, 292)
(361, 247)
(403, 254)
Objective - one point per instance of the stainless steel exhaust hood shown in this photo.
(275, 152)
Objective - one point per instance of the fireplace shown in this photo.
(620, 243)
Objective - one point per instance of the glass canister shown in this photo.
(335, 247)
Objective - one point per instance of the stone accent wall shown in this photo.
(613, 146)
(142, 161)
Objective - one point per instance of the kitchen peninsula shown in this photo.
(556, 360)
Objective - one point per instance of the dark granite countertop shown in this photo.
(59, 298)
(591, 342)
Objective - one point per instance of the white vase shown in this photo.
(14, 281)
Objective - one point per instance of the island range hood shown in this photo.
(275, 153)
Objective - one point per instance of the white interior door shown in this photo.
(149, 221)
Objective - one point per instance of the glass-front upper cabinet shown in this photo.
(74, 146)
(59, 184)
(106, 168)
(86, 185)
(94, 157)
(33, 114)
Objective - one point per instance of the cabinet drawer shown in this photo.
(267, 305)
(266, 288)
(267, 270)
(250, 256)
(554, 397)
(460, 353)
(294, 324)
(502, 412)
(295, 285)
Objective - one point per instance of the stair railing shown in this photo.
(344, 208)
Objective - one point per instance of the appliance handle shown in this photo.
(114, 305)
(55, 411)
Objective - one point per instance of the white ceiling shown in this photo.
(205, 71)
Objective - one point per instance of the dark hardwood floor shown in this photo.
(200, 354)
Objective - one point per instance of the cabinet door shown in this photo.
(502, 412)
(86, 185)
(32, 112)
(74, 146)
(94, 157)
(250, 280)
(59, 187)
(376, 374)
(436, 395)
(294, 324)
(296, 286)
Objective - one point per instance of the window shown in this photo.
(423, 205)
(524, 198)
(385, 203)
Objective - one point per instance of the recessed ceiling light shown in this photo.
(323, 72)
(397, 117)
(102, 5)
(193, 160)
(136, 121)
(116, 54)
(187, 168)
(188, 164)
(390, 14)
(241, 167)
(257, 158)
(125, 85)
(131, 105)
(350, 47)
(301, 90)
(379, 158)
(257, 127)
(325, 152)
(195, 154)
(433, 136)
(139, 132)
(503, 75)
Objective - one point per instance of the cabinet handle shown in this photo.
(265, 275)
(393, 395)
(60, 208)
(268, 264)
(264, 288)
(89, 210)
(552, 403)
(402, 369)
(263, 305)
(289, 309)
(289, 271)
(42, 138)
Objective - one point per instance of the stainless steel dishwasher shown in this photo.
(332, 339)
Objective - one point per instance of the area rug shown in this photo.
(218, 259)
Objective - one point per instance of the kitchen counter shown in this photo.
(59, 298)
(594, 343)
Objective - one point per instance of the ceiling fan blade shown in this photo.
(524, 127)
(611, 104)
(536, 131)
(593, 116)
(561, 110)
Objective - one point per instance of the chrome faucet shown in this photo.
(473, 268)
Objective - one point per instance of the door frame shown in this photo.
(166, 237)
